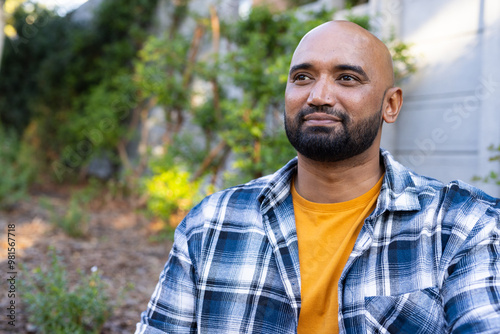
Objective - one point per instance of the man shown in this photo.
(343, 238)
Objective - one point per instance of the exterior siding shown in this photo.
(451, 110)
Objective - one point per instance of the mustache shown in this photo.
(344, 117)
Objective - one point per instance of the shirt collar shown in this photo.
(278, 188)
(399, 190)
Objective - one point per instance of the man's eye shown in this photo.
(301, 77)
(347, 77)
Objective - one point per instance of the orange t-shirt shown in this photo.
(326, 235)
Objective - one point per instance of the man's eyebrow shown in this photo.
(354, 68)
(303, 66)
(341, 67)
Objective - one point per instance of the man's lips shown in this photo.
(320, 119)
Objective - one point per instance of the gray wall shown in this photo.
(451, 110)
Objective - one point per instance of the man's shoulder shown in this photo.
(246, 198)
(453, 193)
(456, 196)
(462, 192)
(245, 192)
(407, 186)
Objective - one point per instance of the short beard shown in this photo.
(330, 144)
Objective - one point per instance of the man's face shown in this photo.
(335, 93)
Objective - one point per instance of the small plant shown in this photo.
(494, 176)
(55, 308)
(74, 221)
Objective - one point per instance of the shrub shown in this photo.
(17, 169)
(169, 192)
(54, 307)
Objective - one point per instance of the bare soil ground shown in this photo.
(118, 244)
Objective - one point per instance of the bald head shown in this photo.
(357, 41)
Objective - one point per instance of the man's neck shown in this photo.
(341, 181)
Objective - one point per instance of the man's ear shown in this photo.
(392, 105)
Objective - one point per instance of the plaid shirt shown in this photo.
(425, 261)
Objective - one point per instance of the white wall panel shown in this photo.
(451, 111)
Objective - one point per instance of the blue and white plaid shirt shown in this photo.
(427, 260)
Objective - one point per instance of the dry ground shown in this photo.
(118, 244)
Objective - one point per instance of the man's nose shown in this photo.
(322, 93)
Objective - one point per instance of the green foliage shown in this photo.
(405, 63)
(494, 176)
(86, 95)
(74, 82)
(56, 308)
(363, 20)
(170, 190)
(17, 168)
(74, 221)
(22, 60)
(160, 70)
(496, 152)
(104, 112)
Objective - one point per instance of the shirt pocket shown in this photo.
(415, 312)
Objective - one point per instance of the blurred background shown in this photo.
(116, 117)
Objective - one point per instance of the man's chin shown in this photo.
(315, 129)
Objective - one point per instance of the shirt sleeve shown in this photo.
(471, 293)
(172, 305)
